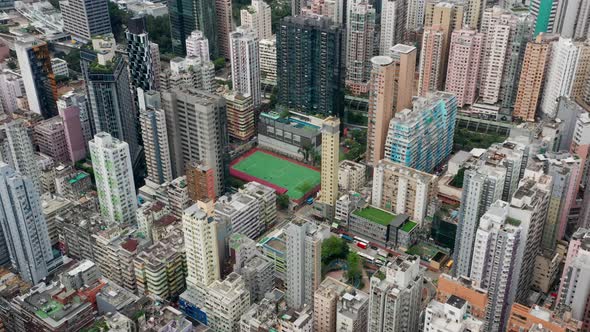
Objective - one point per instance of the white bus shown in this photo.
(367, 257)
(360, 239)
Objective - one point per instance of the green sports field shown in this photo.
(297, 179)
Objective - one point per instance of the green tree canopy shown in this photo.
(355, 267)
(283, 201)
(334, 248)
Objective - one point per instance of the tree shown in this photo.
(61, 79)
(11, 64)
(119, 19)
(55, 3)
(236, 183)
(306, 150)
(72, 58)
(283, 201)
(334, 248)
(355, 267)
(158, 28)
(219, 63)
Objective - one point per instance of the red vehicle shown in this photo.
(361, 245)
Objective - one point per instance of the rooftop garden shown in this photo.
(512, 221)
(408, 226)
(457, 180)
(375, 215)
(97, 68)
(466, 140)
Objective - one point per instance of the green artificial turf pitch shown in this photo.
(297, 179)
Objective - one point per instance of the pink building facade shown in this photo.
(463, 66)
(73, 133)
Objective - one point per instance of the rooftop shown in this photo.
(375, 215)
(408, 226)
(117, 296)
(41, 301)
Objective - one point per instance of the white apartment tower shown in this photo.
(24, 238)
(415, 15)
(114, 178)
(18, 152)
(202, 255)
(394, 301)
(245, 64)
(197, 45)
(495, 262)
(257, 17)
(360, 35)
(574, 289)
(303, 260)
(393, 23)
(267, 50)
(529, 204)
(482, 186)
(155, 137)
(560, 75)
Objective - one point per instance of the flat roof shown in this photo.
(375, 215)
(408, 226)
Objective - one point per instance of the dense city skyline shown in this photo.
(295, 165)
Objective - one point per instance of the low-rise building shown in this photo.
(545, 270)
(51, 308)
(258, 275)
(261, 316)
(173, 194)
(523, 318)
(296, 321)
(147, 214)
(113, 298)
(346, 204)
(226, 302)
(240, 116)
(465, 289)
(115, 250)
(60, 67)
(275, 249)
(200, 179)
(167, 319)
(287, 136)
(401, 189)
(352, 312)
(339, 307)
(351, 176)
(267, 199)
(160, 269)
(241, 212)
(52, 206)
(71, 183)
(382, 227)
(76, 227)
(450, 316)
(50, 137)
